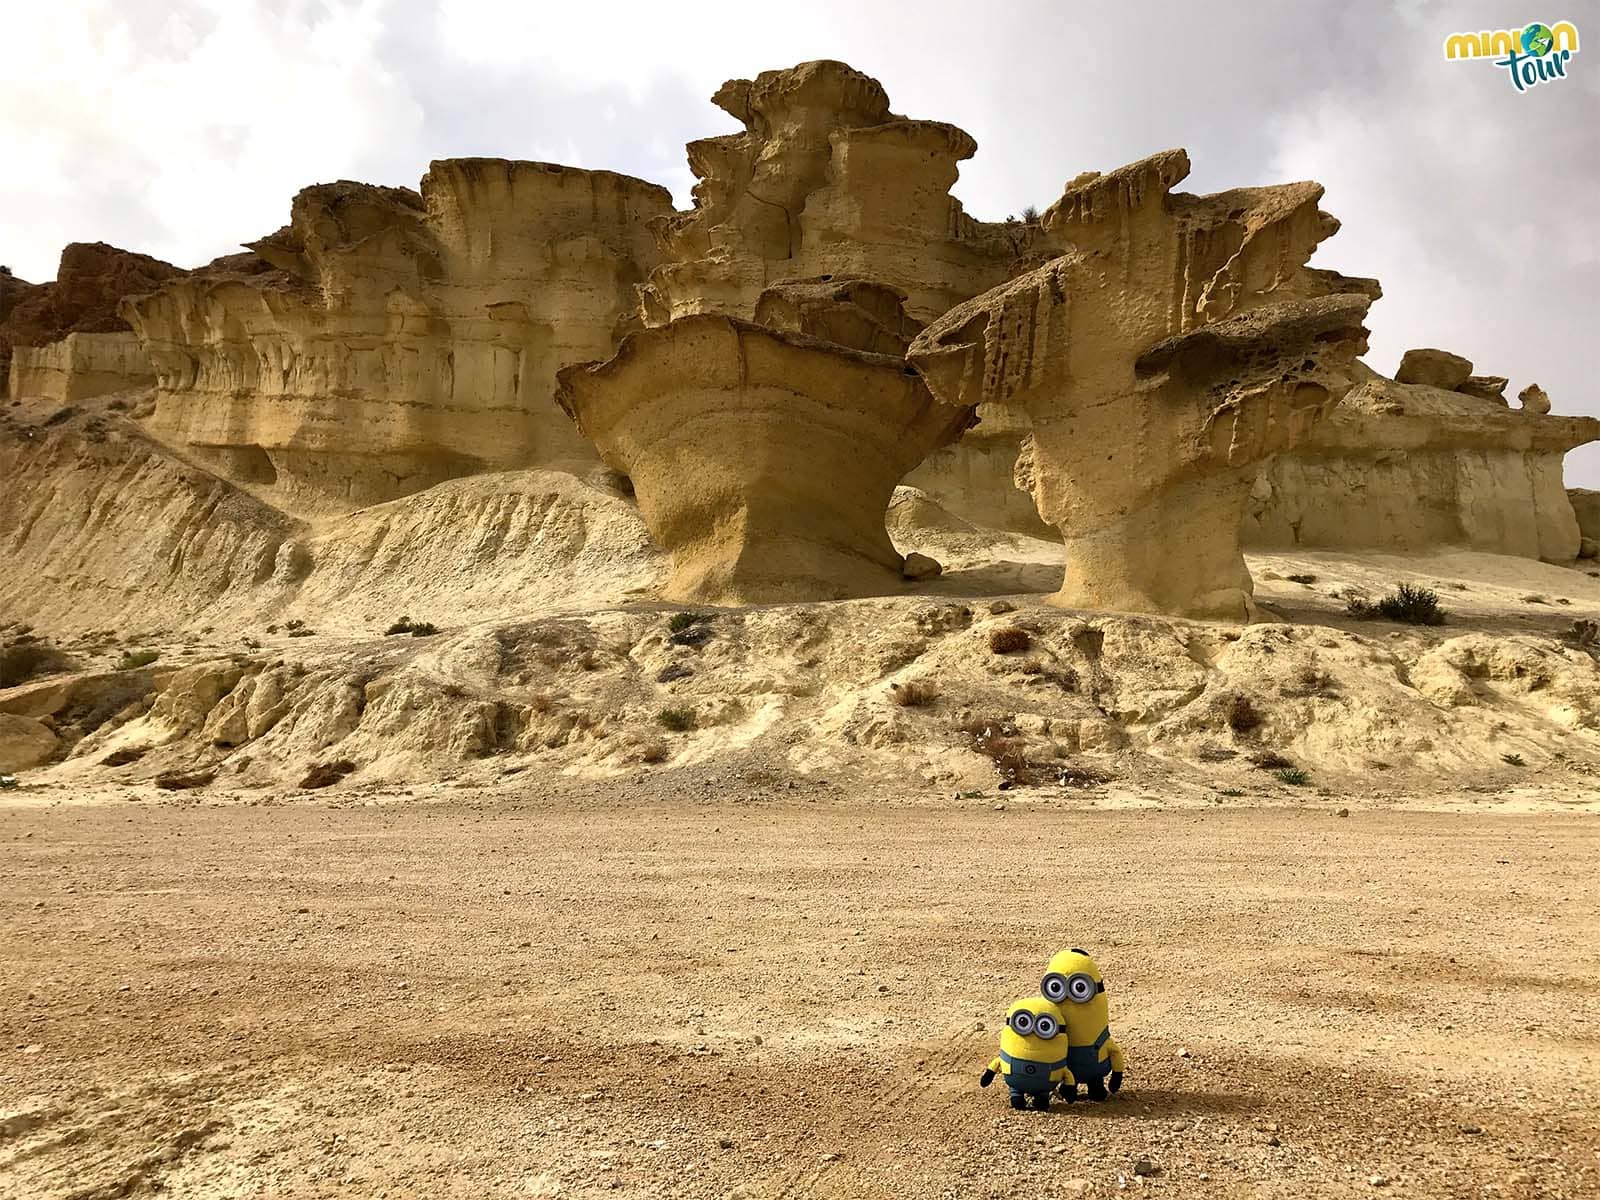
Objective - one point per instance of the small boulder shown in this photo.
(1485, 387)
(1534, 399)
(1435, 368)
(24, 743)
(1588, 548)
(919, 566)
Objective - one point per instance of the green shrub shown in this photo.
(678, 720)
(1294, 776)
(135, 659)
(1406, 604)
(414, 628)
(680, 621)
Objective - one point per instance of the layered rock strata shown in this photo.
(762, 460)
(1174, 343)
(1409, 467)
(91, 281)
(387, 339)
(80, 365)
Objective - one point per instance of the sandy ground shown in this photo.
(729, 993)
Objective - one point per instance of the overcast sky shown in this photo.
(184, 128)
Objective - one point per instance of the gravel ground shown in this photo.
(532, 997)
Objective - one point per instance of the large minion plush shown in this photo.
(1072, 982)
(1033, 1054)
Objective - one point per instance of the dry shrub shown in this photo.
(1011, 639)
(1304, 580)
(982, 726)
(27, 656)
(179, 781)
(541, 703)
(1216, 754)
(1310, 681)
(654, 752)
(915, 693)
(327, 774)
(1009, 754)
(1241, 714)
(121, 758)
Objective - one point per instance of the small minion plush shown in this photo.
(1072, 982)
(1033, 1054)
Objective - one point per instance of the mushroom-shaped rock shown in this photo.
(1436, 368)
(762, 460)
(1176, 343)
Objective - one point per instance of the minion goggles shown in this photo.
(1079, 987)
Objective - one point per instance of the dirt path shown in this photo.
(787, 1000)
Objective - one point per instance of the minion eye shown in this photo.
(1045, 1026)
(1080, 989)
(1022, 1023)
(1054, 987)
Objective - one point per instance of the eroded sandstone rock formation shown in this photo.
(80, 365)
(387, 339)
(1586, 509)
(1402, 467)
(825, 181)
(763, 460)
(767, 413)
(90, 283)
(1174, 343)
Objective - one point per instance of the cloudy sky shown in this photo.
(183, 128)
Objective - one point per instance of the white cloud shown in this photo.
(183, 130)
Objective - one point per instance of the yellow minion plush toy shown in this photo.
(1033, 1054)
(1073, 983)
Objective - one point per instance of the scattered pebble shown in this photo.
(1143, 1166)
